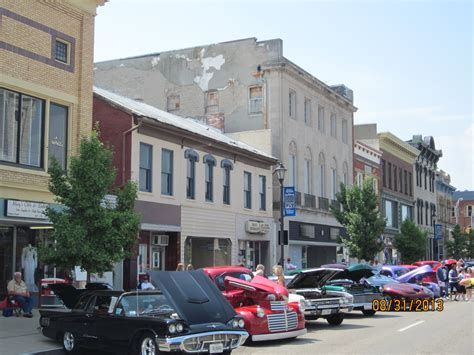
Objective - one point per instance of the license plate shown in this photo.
(325, 312)
(216, 348)
(367, 306)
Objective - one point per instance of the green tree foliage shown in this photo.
(361, 218)
(410, 242)
(460, 245)
(89, 232)
(470, 244)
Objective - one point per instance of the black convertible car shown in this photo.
(187, 314)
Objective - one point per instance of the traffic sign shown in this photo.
(438, 231)
(290, 201)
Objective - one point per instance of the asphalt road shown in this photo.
(448, 332)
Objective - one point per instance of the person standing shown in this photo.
(278, 272)
(18, 289)
(453, 282)
(260, 270)
(288, 265)
(442, 276)
(180, 267)
(189, 267)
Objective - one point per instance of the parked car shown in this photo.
(352, 279)
(264, 304)
(424, 276)
(321, 302)
(433, 263)
(186, 314)
(395, 271)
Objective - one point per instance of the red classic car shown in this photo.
(263, 303)
(434, 264)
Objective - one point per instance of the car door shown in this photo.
(80, 320)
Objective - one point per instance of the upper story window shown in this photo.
(333, 125)
(322, 175)
(21, 129)
(146, 155)
(307, 176)
(212, 102)
(62, 50)
(262, 182)
(389, 173)
(468, 211)
(209, 164)
(191, 158)
(58, 126)
(255, 99)
(384, 174)
(359, 180)
(344, 131)
(321, 127)
(400, 180)
(307, 112)
(166, 172)
(173, 103)
(292, 170)
(247, 190)
(227, 166)
(395, 178)
(292, 104)
(333, 183)
(405, 175)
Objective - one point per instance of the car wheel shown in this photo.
(368, 312)
(335, 319)
(147, 345)
(70, 343)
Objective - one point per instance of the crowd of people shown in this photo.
(454, 281)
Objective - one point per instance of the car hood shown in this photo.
(421, 271)
(380, 280)
(193, 295)
(258, 283)
(404, 289)
(313, 278)
(355, 272)
(68, 294)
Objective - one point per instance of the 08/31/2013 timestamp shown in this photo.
(402, 305)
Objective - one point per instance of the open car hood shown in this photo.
(68, 294)
(313, 278)
(355, 272)
(258, 283)
(418, 272)
(193, 295)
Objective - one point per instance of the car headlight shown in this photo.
(235, 323)
(341, 301)
(241, 323)
(260, 312)
(172, 328)
(301, 306)
(271, 297)
(179, 328)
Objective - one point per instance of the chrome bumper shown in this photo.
(276, 336)
(201, 341)
(318, 311)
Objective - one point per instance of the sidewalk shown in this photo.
(20, 335)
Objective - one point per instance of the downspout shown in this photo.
(124, 137)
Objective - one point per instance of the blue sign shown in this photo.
(438, 231)
(289, 196)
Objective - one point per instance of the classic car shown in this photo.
(352, 279)
(320, 302)
(424, 276)
(394, 271)
(434, 264)
(264, 304)
(187, 314)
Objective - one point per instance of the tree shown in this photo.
(410, 242)
(361, 218)
(458, 247)
(470, 244)
(89, 231)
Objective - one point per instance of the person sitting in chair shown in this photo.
(18, 290)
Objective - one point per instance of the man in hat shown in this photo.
(443, 281)
(18, 290)
(288, 265)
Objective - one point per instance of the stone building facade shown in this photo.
(248, 89)
(444, 212)
(46, 61)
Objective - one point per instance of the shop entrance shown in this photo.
(252, 253)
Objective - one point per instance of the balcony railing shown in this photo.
(309, 201)
(323, 203)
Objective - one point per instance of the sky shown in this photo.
(409, 63)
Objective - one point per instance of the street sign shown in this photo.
(438, 231)
(290, 201)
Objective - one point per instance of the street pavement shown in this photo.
(448, 332)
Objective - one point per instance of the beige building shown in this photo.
(46, 56)
(248, 89)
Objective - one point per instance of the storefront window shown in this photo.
(6, 256)
(202, 252)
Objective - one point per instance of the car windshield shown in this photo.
(401, 271)
(379, 278)
(136, 305)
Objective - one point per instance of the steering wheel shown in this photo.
(164, 307)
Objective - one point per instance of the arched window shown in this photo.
(322, 174)
(292, 158)
(308, 174)
(333, 178)
(191, 158)
(226, 166)
(209, 162)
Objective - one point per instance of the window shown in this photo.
(391, 214)
(344, 131)
(292, 170)
(166, 172)
(172, 103)
(212, 102)
(247, 190)
(307, 177)
(333, 125)
(61, 51)
(384, 181)
(255, 99)
(263, 192)
(322, 180)
(58, 125)
(321, 119)
(426, 212)
(145, 167)
(389, 175)
(426, 175)
(191, 158)
(292, 104)
(227, 166)
(410, 182)
(210, 163)
(307, 230)
(405, 175)
(359, 180)
(400, 180)
(406, 212)
(307, 112)
(333, 183)
(21, 129)
(468, 212)
(395, 178)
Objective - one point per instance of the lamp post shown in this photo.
(279, 172)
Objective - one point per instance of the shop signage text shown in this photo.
(256, 227)
(26, 209)
(290, 201)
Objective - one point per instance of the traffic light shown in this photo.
(285, 238)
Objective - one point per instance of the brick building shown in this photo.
(46, 56)
(463, 209)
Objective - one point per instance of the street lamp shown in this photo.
(279, 172)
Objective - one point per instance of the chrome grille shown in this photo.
(278, 305)
(201, 343)
(281, 322)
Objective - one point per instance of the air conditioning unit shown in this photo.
(252, 227)
(159, 239)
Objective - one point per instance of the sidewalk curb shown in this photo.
(58, 351)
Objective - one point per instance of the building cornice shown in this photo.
(89, 6)
(394, 145)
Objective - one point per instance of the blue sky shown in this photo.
(408, 62)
